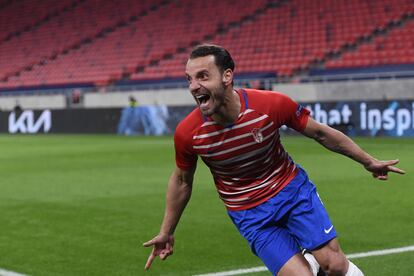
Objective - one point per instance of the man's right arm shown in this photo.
(178, 195)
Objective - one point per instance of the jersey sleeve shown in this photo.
(292, 114)
(185, 158)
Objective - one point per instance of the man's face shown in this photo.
(206, 83)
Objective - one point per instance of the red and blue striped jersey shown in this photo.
(246, 159)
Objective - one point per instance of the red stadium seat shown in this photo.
(96, 42)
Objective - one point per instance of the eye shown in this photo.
(203, 76)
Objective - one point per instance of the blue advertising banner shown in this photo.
(355, 118)
(367, 118)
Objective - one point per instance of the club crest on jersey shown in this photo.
(257, 135)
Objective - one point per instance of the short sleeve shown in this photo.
(185, 157)
(293, 114)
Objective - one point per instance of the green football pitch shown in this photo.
(83, 205)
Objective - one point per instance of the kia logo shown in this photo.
(26, 123)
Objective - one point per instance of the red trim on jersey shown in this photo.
(247, 160)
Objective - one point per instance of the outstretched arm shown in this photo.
(178, 195)
(336, 141)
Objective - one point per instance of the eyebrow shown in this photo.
(198, 73)
(202, 72)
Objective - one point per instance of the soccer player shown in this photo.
(268, 196)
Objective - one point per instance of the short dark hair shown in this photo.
(222, 57)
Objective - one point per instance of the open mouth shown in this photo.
(203, 98)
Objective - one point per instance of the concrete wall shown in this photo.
(171, 97)
(360, 90)
(33, 102)
(309, 92)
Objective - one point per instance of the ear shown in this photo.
(228, 77)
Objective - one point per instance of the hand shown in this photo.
(163, 247)
(380, 169)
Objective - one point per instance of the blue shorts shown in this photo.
(293, 219)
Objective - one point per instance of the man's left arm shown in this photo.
(336, 141)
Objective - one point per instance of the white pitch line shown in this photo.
(236, 272)
(4, 272)
(350, 256)
(381, 252)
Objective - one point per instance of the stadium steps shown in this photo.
(279, 51)
(184, 49)
(353, 46)
(158, 35)
(85, 41)
(28, 28)
(38, 23)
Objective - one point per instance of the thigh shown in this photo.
(297, 265)
(309, 221)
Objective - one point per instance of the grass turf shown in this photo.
(83, 205)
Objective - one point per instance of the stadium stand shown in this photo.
(397, 47)
(99, 42)
(55, 42)
(17, 17)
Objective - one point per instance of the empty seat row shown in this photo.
(99, 41)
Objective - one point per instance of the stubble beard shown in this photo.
(218, 102)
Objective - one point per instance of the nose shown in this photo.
(194, 85)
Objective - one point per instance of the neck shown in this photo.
(230, 110)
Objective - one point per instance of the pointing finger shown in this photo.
(396, 170)
(149, 261)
